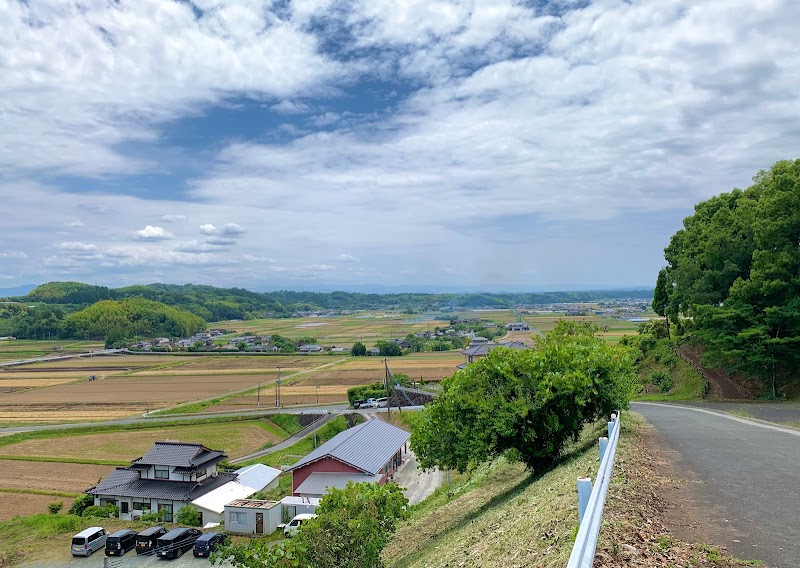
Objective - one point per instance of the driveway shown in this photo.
(418, 484)
(129, 560)
(743, 474)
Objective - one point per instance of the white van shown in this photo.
(89, 540)
(294, 525)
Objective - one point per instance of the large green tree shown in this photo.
(532, 402)
(661, 297)
(736, 268)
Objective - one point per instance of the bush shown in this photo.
(103, 512)
(55, 507)
(79, 505)
(189, 516)
(662, 380)
(154, 516)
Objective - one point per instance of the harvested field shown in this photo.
(307, 396)
(18, 384)
(69, 477)
(15, 504)
(214, 364)
(137, 389)
(56, 412)
(235, 438)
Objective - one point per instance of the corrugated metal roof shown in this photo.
(257, 476)
(179, 454)
(318, 483)
(367, 446)
(215, 500)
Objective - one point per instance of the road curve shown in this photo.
(749, 473)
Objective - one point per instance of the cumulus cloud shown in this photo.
(151, 233)
(13, 254)
(320, 267)
(173, 218)
(76, 246)
(74, 224)
(344, 257)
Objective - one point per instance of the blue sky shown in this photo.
(483, 144)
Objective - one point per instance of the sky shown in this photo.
(489, 145)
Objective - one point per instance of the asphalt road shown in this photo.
(747, 474)
(772, 411)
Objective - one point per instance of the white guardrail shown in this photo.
(591, 500)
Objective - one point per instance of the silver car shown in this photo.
(89, 540)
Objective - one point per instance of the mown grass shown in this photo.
(69, 432)
(293, 453)
(499, 515)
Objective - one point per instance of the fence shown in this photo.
(591, 501)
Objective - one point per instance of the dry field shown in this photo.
(235, 438)
(290, 396)
(40, 413)
(69, 477)
(139, 389)
(214, 364)
(16, 504)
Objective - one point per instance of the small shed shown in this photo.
(253, 516)
(293, 505)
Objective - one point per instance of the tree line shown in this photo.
(217, 304)
(734, 269)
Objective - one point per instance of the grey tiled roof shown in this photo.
(120, 477)
(367, 446)
(177, 454)
(157, 488)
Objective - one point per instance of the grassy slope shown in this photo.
(500, 515)
(687, 383)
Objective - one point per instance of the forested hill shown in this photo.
(735, 268)
(213, 304)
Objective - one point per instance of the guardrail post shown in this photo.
(611, 423)
(584, 491)
(603, 443)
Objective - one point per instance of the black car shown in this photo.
(176, 542)
(147, 540)
(208, 543)
(120, 542)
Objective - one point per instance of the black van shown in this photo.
(208, 543)
(120, 542)
(176, 542)
(147, 539)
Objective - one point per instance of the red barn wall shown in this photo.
(325, 465)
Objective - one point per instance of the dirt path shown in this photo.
(418, 484)
(722, 387)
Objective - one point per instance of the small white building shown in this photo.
(294, 505)
(518, 326)
(253, 516)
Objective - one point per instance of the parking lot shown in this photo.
(129, 560)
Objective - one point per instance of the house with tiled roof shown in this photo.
(369, 452)
(480, 347)
(173, 474)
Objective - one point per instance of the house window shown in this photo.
(238, 518)
(162, 472)
(137, 506)
(123, 507)
(106, 501)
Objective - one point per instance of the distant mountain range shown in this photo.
(17, 290)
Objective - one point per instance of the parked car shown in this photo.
(358, 403)
(89, 540)
(176, 542)
(382, 402)
(208, 543)
(294, 525)
(120, 542)
(147, 539)
(369, 403)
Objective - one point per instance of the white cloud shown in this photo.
(320, 267)
(13, 254)
(75, 246)
(344, 257)
(74, 224)
(151, 233)
(208, 229)
(173, 218)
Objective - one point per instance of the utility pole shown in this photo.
(258, 396)
(388, 391)
(317, 394)
(278, 389)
